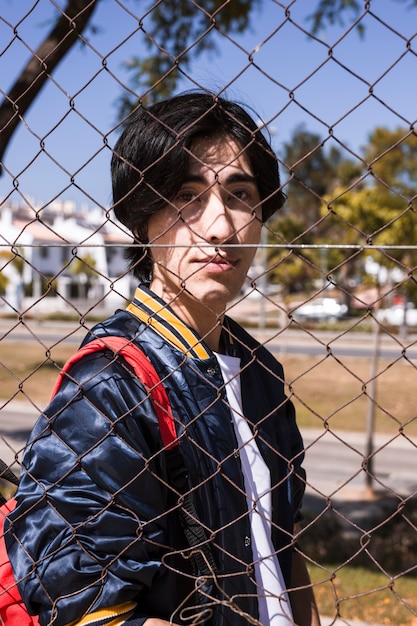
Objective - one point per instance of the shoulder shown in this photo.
(121, 324)
(121, 350)
(97, 361)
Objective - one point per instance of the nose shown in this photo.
(218, 223)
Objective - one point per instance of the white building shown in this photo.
(56, 244)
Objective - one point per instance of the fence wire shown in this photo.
(332, 290)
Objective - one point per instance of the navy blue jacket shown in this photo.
(96, 526)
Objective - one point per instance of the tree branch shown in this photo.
(33, 77)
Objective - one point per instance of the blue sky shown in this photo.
(295, 82)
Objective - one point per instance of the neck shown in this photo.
(206, 323)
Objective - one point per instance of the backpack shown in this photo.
(12, 609)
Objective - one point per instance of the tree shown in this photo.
(64, 34)
(83, 269)
(288, 267)
(10, 261)
(380, 210)
(334, 11)
(4, 280)
(313, 171)
(392, 157)
(178, 29)
(331, 198)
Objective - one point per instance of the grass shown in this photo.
(339, 392)
(360, 594)
(30, 369)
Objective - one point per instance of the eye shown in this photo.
(243, 197)
(241, 194)
(186, 197)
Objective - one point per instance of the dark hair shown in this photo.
(150, 160)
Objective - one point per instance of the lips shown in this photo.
(222, 262)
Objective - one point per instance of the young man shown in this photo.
(193, 179)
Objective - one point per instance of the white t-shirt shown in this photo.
(273, 602)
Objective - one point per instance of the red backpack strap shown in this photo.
(143, 369)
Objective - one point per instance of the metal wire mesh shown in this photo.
(331, 292)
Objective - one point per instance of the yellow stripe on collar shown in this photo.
(163, 320)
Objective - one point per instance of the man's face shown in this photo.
(209, 232)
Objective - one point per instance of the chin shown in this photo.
(218, 299)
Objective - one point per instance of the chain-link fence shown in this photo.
(331, 292)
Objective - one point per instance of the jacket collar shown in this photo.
(156, 313)
(152, 310)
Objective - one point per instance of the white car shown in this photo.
(320, 309)
(394, 315)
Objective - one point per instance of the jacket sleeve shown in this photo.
(90, 524)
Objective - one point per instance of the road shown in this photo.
(306, 343)
(334, 463)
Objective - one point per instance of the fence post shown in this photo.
(370, 416)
